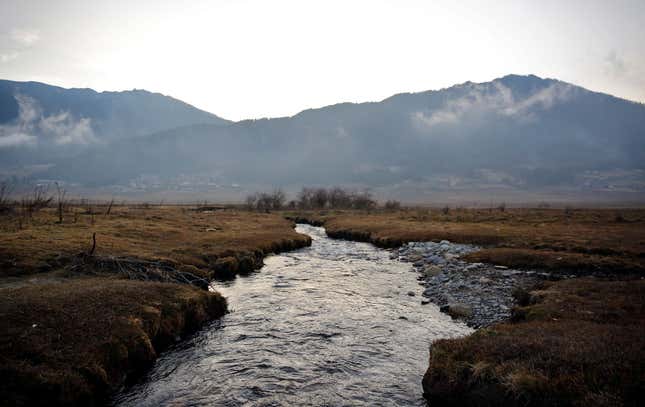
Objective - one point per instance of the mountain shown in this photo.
(72, 116)
(517, 132)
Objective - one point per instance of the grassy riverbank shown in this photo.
(579, 342)
(571, 240)
(572, 342)
(70, 335)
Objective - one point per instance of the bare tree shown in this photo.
(339, 198)
(109, 207)
(265, 202)
(38, 200)
(363, 200)
(277, 199)
(392, 205)
(319, 198)
(251, 201)
(61, 203)
(5, 192)
(305, 197)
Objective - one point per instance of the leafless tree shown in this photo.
(61, 203)
(339, 198)
(277, 199)
(5, 202)
(319, 198)
(363, 200)
(305, 198)
(265, 202)
(109, 207)
(251, 201)
(392, 205)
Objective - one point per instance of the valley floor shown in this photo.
(77, 321)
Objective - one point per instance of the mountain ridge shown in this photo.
(518, 132)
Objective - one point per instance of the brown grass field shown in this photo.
(579, 342)
(72, 336)
(572, 240)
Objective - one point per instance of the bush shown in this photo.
(265, 201)
(392, 205)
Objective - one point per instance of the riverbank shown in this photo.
(73, 342)
(577, 341)
(574, 342)
(76, 323)
(567, 241)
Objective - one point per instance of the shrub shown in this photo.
(392, 205)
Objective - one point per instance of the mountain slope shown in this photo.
(519, 132)
(108, 115)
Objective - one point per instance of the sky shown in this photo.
(245, 59)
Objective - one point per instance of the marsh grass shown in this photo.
(579, 343)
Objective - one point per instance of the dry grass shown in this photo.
(69, 343)
(580, 343)
(70, 339)
(577, 240)
(202, 241)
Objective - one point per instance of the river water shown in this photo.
(331, 324)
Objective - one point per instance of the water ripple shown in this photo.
(328, 325)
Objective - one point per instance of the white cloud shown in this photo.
(16, 139)
(32, 127)
(25, 38)
(15, 42)
(615, 64)
(8, 56)
(498, 99)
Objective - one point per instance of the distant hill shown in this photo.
(110, 115)
(517, 132)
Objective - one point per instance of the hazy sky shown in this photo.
(248, 59)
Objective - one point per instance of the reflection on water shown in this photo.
(331, 324)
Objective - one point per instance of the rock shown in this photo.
(450, 256)
(457, 310)
(432, 271)
(436, 259)
(411, 293)
(473, 266)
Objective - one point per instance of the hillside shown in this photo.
(519, 133)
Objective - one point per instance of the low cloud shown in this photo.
(25, 38)
(16, 139)
(33, 127)
(493, 98)
(13, 43)
(615, 64)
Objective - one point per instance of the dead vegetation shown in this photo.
(72, 343)
(188, 240)
(577, 342)
(571, 241)
(90, 299)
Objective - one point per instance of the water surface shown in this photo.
(331, 324)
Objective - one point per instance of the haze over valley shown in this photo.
(518, 138)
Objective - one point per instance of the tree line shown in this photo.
(313, 198)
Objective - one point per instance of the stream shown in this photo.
(331, 324)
